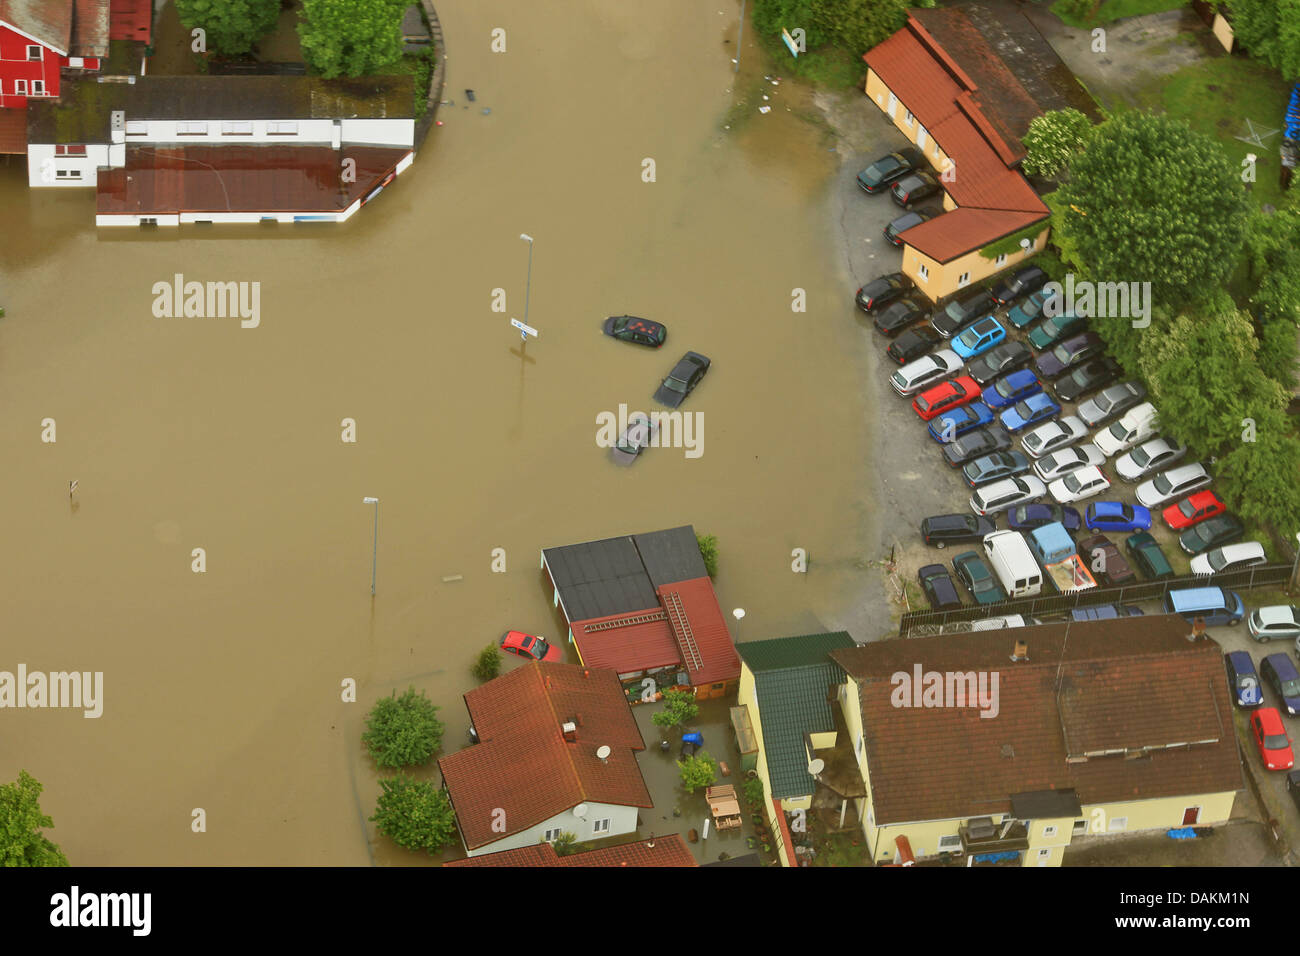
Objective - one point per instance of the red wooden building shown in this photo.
(40, 38)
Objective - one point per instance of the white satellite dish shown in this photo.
(604, 752)
(580, 809)
(816, 766)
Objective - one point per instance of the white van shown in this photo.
(1137, 425)
(1013, 563)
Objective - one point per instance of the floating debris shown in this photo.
(469, 95)
(765, 109)
(450, 578)
(486, 110)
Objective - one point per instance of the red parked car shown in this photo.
(946, 396)
(1271, 739)
(1193, 510)
(530, 647)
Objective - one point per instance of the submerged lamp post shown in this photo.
(374, 552)
(529, 286)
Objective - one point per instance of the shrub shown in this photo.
(709, 552)
(488, 663)
(403, 731)
(414, 814)
(680, 708)
(699, 770)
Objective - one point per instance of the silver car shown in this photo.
(1149, 457)
(1276, 622)
(1060, 463)
(1050, 436)
(926, 370)
(1111, 402)
(1171, 484)
(1006, 493)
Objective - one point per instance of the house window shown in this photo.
(69, 150)
(600, 826)
(1049, 831)
(923, 272)
(76, 62)
(1000, 259)
(33, 52)
(1080, 827)
(136, 128)
(963, 279)
(1044, 856)
(909, 119)
(893, 101)
(20, 87)
(191, 129)
(237, 129)
(862, 745)
(1118, 824)
(950, 844)
(67, 174)
(282, 128)
(38, 87)
(552, 835)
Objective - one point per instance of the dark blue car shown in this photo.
(1243, 681)
(1116, 516)
(1029, 517)
(1279, 670)
(1012, 388)
(959, 421)
(1038, 407)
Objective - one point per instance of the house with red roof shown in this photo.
(41, 38)
(643, 606)
(556, 753)
(659, 851)
(962, 84)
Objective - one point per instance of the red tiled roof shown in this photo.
(13, 131)
(630, 648)
(130, 20)
(662, 851)
(706, 646)
(49, 21)
(1134, 684)
(957, 232)
(523, 767)
(241, 179)
(89, 28)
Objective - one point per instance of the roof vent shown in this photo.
(570, 730)
(1008, 750)
(117, 120)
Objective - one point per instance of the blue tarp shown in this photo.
(997, 857)
(1293, 114)
(1186, 833)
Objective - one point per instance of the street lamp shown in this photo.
(528, 288)
(374, 553)
(738, 613)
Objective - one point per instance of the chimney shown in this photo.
(570, 731)
(1021, 653)
(1198, 629)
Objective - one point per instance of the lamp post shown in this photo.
(374, 552)
(529, 286)
(738, 613)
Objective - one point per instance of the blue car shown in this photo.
(1037, 408)
(1029, 517)
(960, 420)
(1242, 679)
(979, 338)
(1031, 310)
(1280, 673)
(1116, 516)
(1012, 388)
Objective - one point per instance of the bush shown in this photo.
(403, 731)
(231, 27)
(709, 552)
(1053, 139)
(566, 844)
(351, 37)
(697, 771)
(414, 814)
(753, 788)
(680, 708)
(488, 663)
(21, 822)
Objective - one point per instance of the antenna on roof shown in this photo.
(603, 753)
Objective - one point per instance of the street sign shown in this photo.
(526, 330)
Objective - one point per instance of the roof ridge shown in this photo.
(557, 728)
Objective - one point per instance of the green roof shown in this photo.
(792, 651)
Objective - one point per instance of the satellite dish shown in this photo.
(603, 752)
(580, 809)
(816, 766)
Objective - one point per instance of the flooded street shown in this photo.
(222, 689)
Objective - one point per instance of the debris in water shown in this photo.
(486, 110)
(765, 96)
(449, 578)
(469, 95)
(765, 109)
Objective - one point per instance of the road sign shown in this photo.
(526, 330)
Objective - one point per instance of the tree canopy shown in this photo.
(351, 37)
(21, 822)
(403, 731)
(856, 25)
(231, 26)
(1053, 139)
(414, 814)
(1269, 30)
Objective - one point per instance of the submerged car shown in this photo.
(529, 646)
(890, 167)
(883, 290)
(681, 381)
(637, 437)
(630, 328)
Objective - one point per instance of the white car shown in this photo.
(1007, 493)
(1171, 484)
(1079, 485)
(1060, 463)
(926, 370)
(1050, 436)
(1137, 425)
(1230, 557)
(1275, 622)
(1148, 457)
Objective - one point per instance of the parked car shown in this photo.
(1134, 427)
(1087, 378)
(629, 328)
(1293, 787)
(1271, 739)
(990, 468)
(1029, 517)
(925, 371)
(942, 530)
(944, 396)
(914, 188)
(999, 360)
(897, 316)
(1111, 402)
(1275, 622)
(959, 313)
(978, 337)
(906, 221)
(1192, 510)
(1172, 484)
(1229, 557)
(1011, 388)
(1105, 612)
(883, 290)
(938, 587)
(1210, 533)
(1243, 680)
(1116, 516)
(1105, 561)
(955, 422)
(973, 444)
(1055, 329)
(1079, 485)
(1060, 463)
(1147, 556)
(1279, 672)
(1030, 310)
(1033, 410)
(890, 167)
(1069, 354)
(530, 646)
(1019, 283)
(639, 433)
(1149, 457)
(682, 380)
(978, 578)
(912, 344)
(1007, 493)
(1053, 435)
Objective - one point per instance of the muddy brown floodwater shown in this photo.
(222, 688)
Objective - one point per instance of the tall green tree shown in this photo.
(403, 731)
(21, 822)
(679, 708)
(1260, 479)
(1053, 139)
(414, 814)
(351, 37)
(231, 26)
(1269, 30)
(698, 770)
(855, 25)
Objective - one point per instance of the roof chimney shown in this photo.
(570, 731)
(1021, 653)
(1198, 629)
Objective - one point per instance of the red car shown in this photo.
(1271, 739)
(530, 647)
(1193, 510)
(946, 396)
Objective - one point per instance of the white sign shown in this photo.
(527, 330)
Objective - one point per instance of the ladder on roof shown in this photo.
(682, 628)
(626, 621)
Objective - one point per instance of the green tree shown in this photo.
(566, 844)
(709, 552)
(854, 25)
(1269, 30)
(1271, 254)
(21, 822)
(1053, 139)
(403, 731)
(1151, 200)
(1260, 479)
(679, 708)
(1279, 351)
(698, 770)
(351, 37)
(414, 814)
(231, 26)
(488, 663)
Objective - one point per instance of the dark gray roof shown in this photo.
(1045, 805)
(671, 556)
(783, 652)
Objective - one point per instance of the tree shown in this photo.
(566, 844)
(21, 822)
(351, 37)
(709, 552)
(403, 731)
(1260, 479)
(1151, 200)
(414, 814)
(1270, 31)
(1279, 351)
(1271, 254)
(1053, 139)
(488, 663)
(231, 26)
(697, 770)
(680, 708)
(854, 25)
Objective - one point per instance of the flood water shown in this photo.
(222, 688)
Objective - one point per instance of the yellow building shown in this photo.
(1005, 747)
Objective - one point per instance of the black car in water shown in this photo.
(638, 331)
(897, 316)
(681, 381)
(906, 221)
(1021, 282)
(890, 167)
(956, 315)
(912, 344)
(973, 444)
(883, 290)
(999, 360)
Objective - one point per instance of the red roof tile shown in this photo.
(49, 21)
(13, 131)
(661, 851)
(631, 647)
(523, 767)
(957, 232)
(700, 630)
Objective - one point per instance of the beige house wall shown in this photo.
(938, 279)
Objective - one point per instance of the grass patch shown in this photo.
(420, 67)
(1111, 10)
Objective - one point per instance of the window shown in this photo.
(191, 129)
(1049, 831)
(893, 101)
(600, 826)
(950, 844)
(76, 62)
(920, 135)
(20, 87)
(1118, 824)
(136, 128)
(909, 119)
(69, 151)
(552, 835)
(963, 279)
(33, 52)
(67, 174)
(1000, 259)
(1044, 856)
(38, 87)
(237, 129)
(282, 128)
(923, 272)
(1080, 826)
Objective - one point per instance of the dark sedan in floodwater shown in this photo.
(638, 331)
(681, 381)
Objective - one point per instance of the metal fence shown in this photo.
(1260, 576)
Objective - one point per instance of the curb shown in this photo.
(436, 80)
